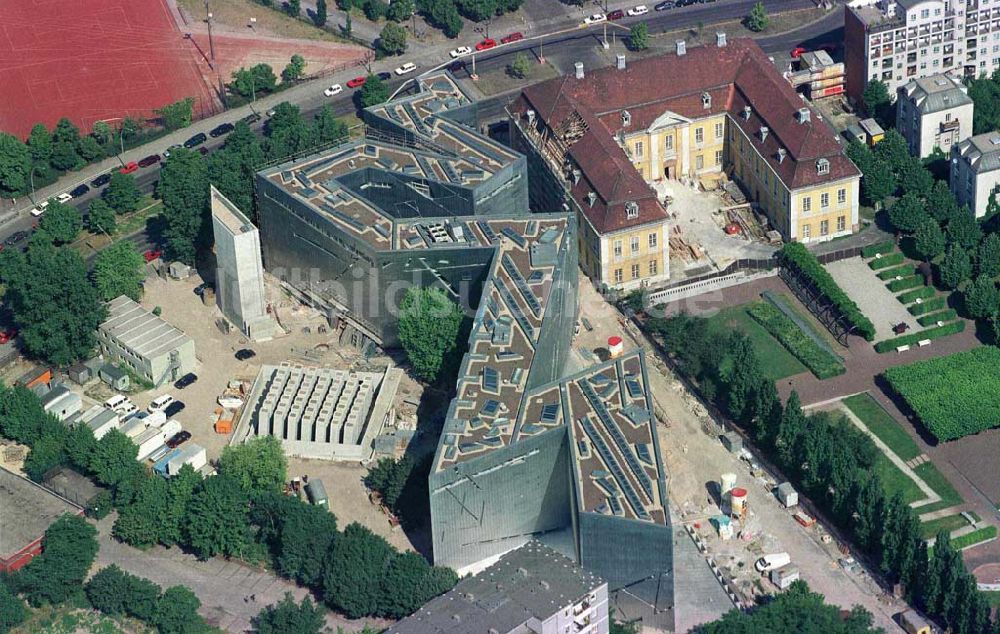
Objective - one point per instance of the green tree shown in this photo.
(429, 326)
(294, 70)
(177, 611)
(178, 114)
(409, 582)
(183, 188)
(47, 453)
(743, 378)
(982, 299)
(293, 7)
(108, 590)
(119, 270)
(989, 256)
(80, 446)
(143, 598)
(941, 202)
(15, 163)
(101, 217)
(374, 92)
(68, 550)
(392, 40)
(102, 132)
(258, 465)
(53, 303)
(375, 10)
(877, 101)
(180, 490)
(327, 127)
(353, 571)
(13, 612)
(90, 150)
(964, 230)
(287, 132)
(21, 415)
(231, 169)
(114, 457)
(288, 617)
(908, 213)
(122, 194)
(216, 522)
(139, 522)
(254, 81)
(877, 183)
(914, 178)
(40, 144)
(520, 66)
(956, 267)
(306, 533)
(894, 151)
(319, 17)
(62, 222)
(928, 239)
(638, 37)
(65, 143)
(757, 20)
(400, 10)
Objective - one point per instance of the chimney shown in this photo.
(576, 176)
(681, 48)
(531, 117)
(720, 39)
(763, 132)
(746, 112)
(579, 70)
(781, 154)
(804, 115)
(621, 61)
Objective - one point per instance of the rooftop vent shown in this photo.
(620, 59)
(995, 140)
(763, 132)
(576, 176)
(591, 198)
(940, 82)
(531, 117)
(681, 47)
(579, 69)
(781, 154)
(631, 209)
(803, 115)
(626, 118)
(720, 39)
(706, 100)
(746, 112)
(544, 584)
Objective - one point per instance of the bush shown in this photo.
(925, 292)
(975, 537)
(880, 248)
(931, 333)
(819, 361)
(100, 506)
(893, 259)
(907, 282)
(934, 318)
(904, 270)
(796, 256)
(929, 306)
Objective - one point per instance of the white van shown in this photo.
(116, 402)
(160, 403)
(768, 563)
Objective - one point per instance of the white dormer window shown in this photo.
(626, 118)
(591, 198)
(706, 100)
(822, 166)
(631, 209)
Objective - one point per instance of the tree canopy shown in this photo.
(122, 194)
(61, 221)
(217, 518)
(183, 188)
(178, 114)
(429, 326)
(392, 39)
(15, 163)
(289, 617)
(119, 270)
(877, 101)
(258, 465)
(757, 20)
(374, 92)
(68, 550)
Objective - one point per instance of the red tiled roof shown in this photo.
(734, 76)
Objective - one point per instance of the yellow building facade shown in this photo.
(625, 259)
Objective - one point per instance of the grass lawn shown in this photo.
(776, 362)
(936, 481)
(993, 597)
(883, 425)
(895, 480)
(948, 523)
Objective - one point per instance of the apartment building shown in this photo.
(897, 41)
(719, 108)
(933, 112)
(975, 171)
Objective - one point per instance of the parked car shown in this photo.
(196, 140)
(251, 118)
(335, 89)
(152, 159)
(129, 167)
(461, 51)
(664, 6)
(15, 237)
(768, 563)
(178, 439)
(357, 82)
(486, 44)
(513, 37)
(152, 254)
(166, 152)
(173, 408)
(456, 66)
(617, 14)
(39, 209)
(185, 380)
(797, 52)
(245, 354)
(101, 181)
(79, 190)
(384, 75)
(64, 197)
(596, 18)
(639, 10)
(408, 67)
(160, 403)
(222, 128)
(6, 336)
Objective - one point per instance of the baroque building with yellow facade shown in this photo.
(596, 141)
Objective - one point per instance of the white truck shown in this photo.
(767, 563)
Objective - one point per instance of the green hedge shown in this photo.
(907, 282)
(873, 249)
(909, 297)
(930, 333)
(953, 396)
(893, 259)
(905, 270)
(933, 318)
(795, 255)
(819, 361)
(975, 537)
(928, 307)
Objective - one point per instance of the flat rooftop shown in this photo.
(875, 18)
(227, 213)
(532, 582)
(139, 330)
(26, 511)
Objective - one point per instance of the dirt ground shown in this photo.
(497, 80)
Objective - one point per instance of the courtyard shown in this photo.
(876, 301)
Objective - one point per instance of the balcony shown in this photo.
(948, 126)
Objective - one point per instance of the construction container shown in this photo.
(35, 377)
(784, 576)
(160, 466)
(191, 454)
(616, 346)
(148, 442)
(317, 493)
(170, 428)
(224, 425)
(732, 442)
(737, 501)
(787, 495)
(913, 623)
(727, 483)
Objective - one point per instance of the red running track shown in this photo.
(89, 60)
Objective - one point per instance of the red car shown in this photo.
(357, 82)
(7, 336)
(513, 37)
(129, 167)
(486, 44)
(798, 51)
(617, 14)
(151, 255)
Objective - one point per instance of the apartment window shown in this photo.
(638, 149)
(699, 135)
(669, 142)
(807, 203)
(653, 267)
(925, 13)
(652, 241)
(841, 223)
(718, 157)
(718, 130)
(699, 162)
(618, 249)
(805, 232)
(618, 276)
(824, 200)
(824, 227)
(635, 245)
(635, 271)
(841, 196)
